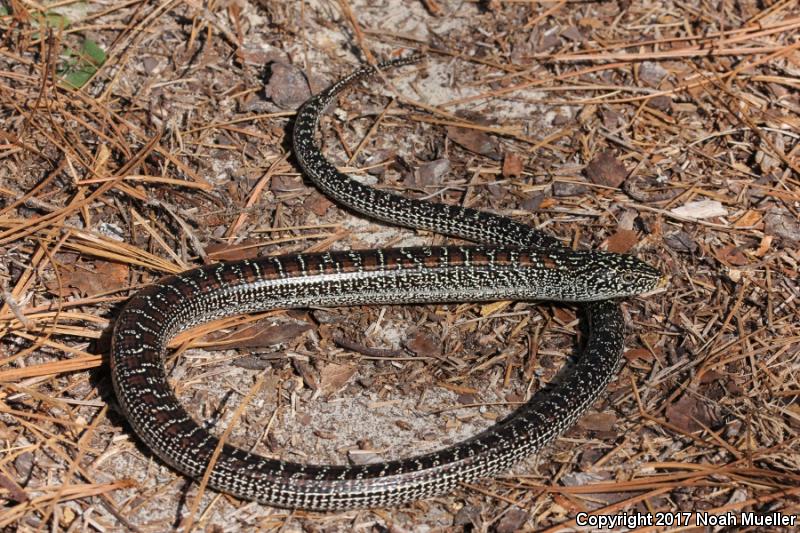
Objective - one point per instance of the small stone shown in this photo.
(287, 86)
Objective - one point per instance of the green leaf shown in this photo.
(56, 21)
(78, 78)
(50, 19)
(81, 65)
(4, 11)
(92, 51)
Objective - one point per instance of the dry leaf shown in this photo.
(638, 353)
(457, 388)
(683, 412)
(306, 373)
(622, 241)
(475, 141)
(493, 307)
(731, 255)
(287, 86)
(563, 315)
(432, 172)
(700, 209)
(334, 377)
(513, 520)
(106, 277)
(223, 251)
(257, 335)
(317, 204)
(750, 218)
(764, 246)
(364, 457)
(598, 421)
(782, 224)
(605, 169)
(424, 345)
(512, 165)
(680, 241)
(562, 189)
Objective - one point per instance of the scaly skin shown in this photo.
(525, 265)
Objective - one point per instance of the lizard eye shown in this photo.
(628, 277)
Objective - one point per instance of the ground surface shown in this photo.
(661, 129)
